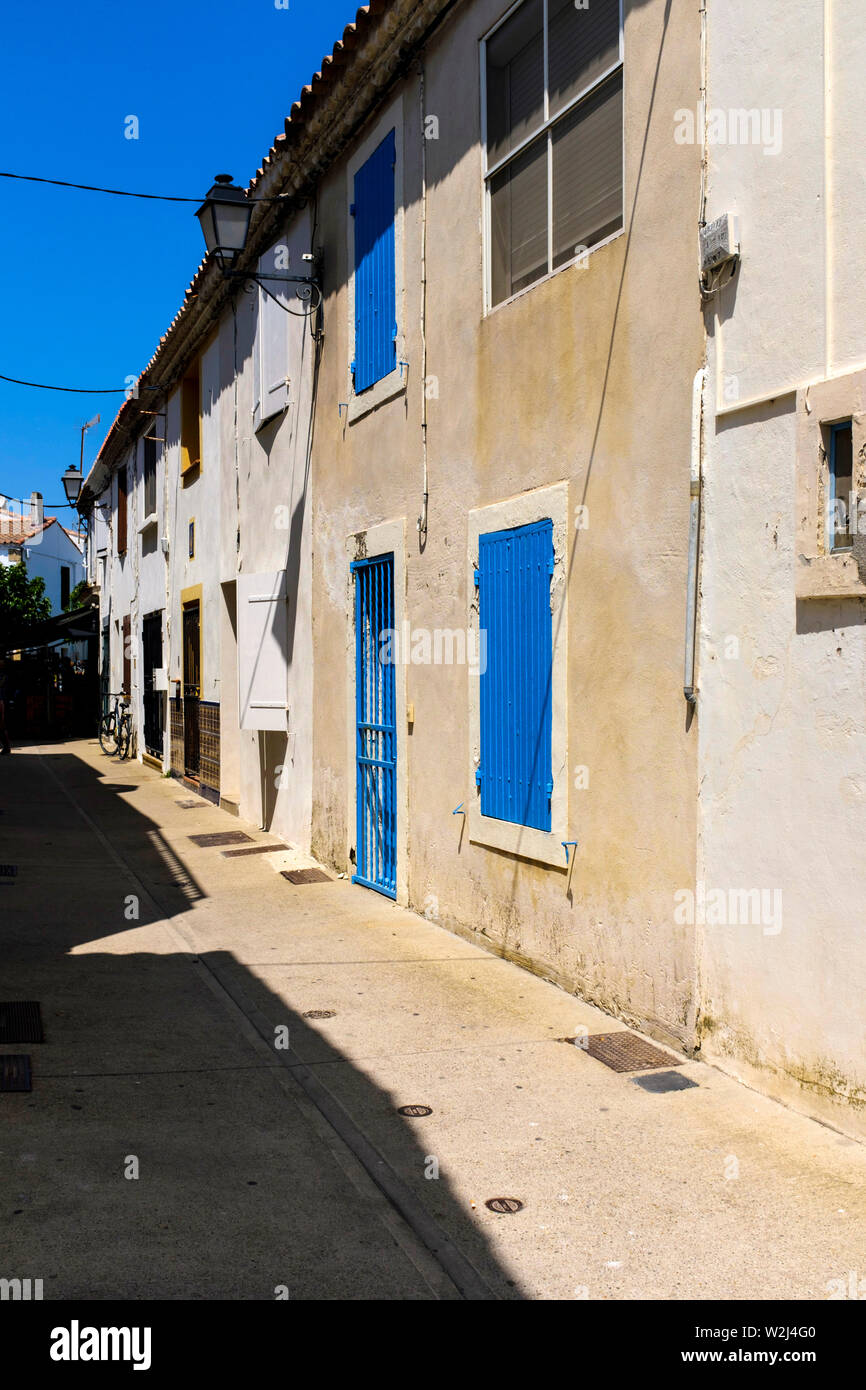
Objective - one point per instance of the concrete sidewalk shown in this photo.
(265, 1167)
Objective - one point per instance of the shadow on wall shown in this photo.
(238, 1192)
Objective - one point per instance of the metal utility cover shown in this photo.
(320, 1013)
(301, 876)
(414, 1112)
(21, 1023)
(504, 1206)
(15, 1073)
(220, 837)
(627, 1052)
(193, 805)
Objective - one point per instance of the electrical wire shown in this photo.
(125, 193)
(74, 390)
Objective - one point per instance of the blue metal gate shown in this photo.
(376, 722)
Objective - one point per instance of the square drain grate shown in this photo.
(221, 837)
(627, 1052)
(301, 876)
(15, 1073)
(21, 1023)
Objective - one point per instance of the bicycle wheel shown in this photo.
(124, 737)
(108, 735)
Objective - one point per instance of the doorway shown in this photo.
(376, 727)
(191, 686)
(154, 703)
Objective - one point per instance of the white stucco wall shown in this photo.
(265, 500)
(45, 556)
(782, 722)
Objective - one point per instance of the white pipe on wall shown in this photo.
(694, 535)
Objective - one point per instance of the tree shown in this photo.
(23, 601)
(76, 597)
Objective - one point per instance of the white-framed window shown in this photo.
(376, 365)
(552, 121)
(517, 798)
(840, 486)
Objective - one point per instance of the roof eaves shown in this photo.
(291, 162)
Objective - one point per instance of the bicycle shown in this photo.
(115, 728)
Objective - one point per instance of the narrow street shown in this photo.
(267, 1171)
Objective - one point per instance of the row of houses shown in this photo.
(489, 560)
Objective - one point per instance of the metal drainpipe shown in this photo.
(422, 520)
(694, 534)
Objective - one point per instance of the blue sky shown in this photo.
(90, 282)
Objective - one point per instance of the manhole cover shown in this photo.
(192, 805)
(220, 837)
(661, 1081)
(15, 1073)
(320, 1013)
(414, 1112)
(301, 876)
(627, 1052)
(505, 1206)
(21, 1023)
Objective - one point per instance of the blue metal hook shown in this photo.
(458, 810)
(565, 844)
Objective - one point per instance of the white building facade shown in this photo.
(782, 666)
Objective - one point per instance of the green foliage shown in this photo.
(74, 600)
(22, 602)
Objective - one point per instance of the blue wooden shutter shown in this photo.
(514, 569)
(375, 283)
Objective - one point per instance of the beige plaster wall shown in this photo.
(585, 380)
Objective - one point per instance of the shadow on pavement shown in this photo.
(243, 1189)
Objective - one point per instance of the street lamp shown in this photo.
(225, 218)
(72, 480)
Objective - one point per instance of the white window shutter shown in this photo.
(263, 630)
(257, 364)
(272, 345)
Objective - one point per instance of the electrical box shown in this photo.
(160, 678)
(720, 241)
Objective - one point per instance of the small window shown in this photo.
(553, 113)
(122, 508)
(190, 420)
(375, 267)
(149, 476)
(841, 486)
(192, 539)
(65, 574)
(515, 772)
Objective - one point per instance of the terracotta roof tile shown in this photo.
(15, 529)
